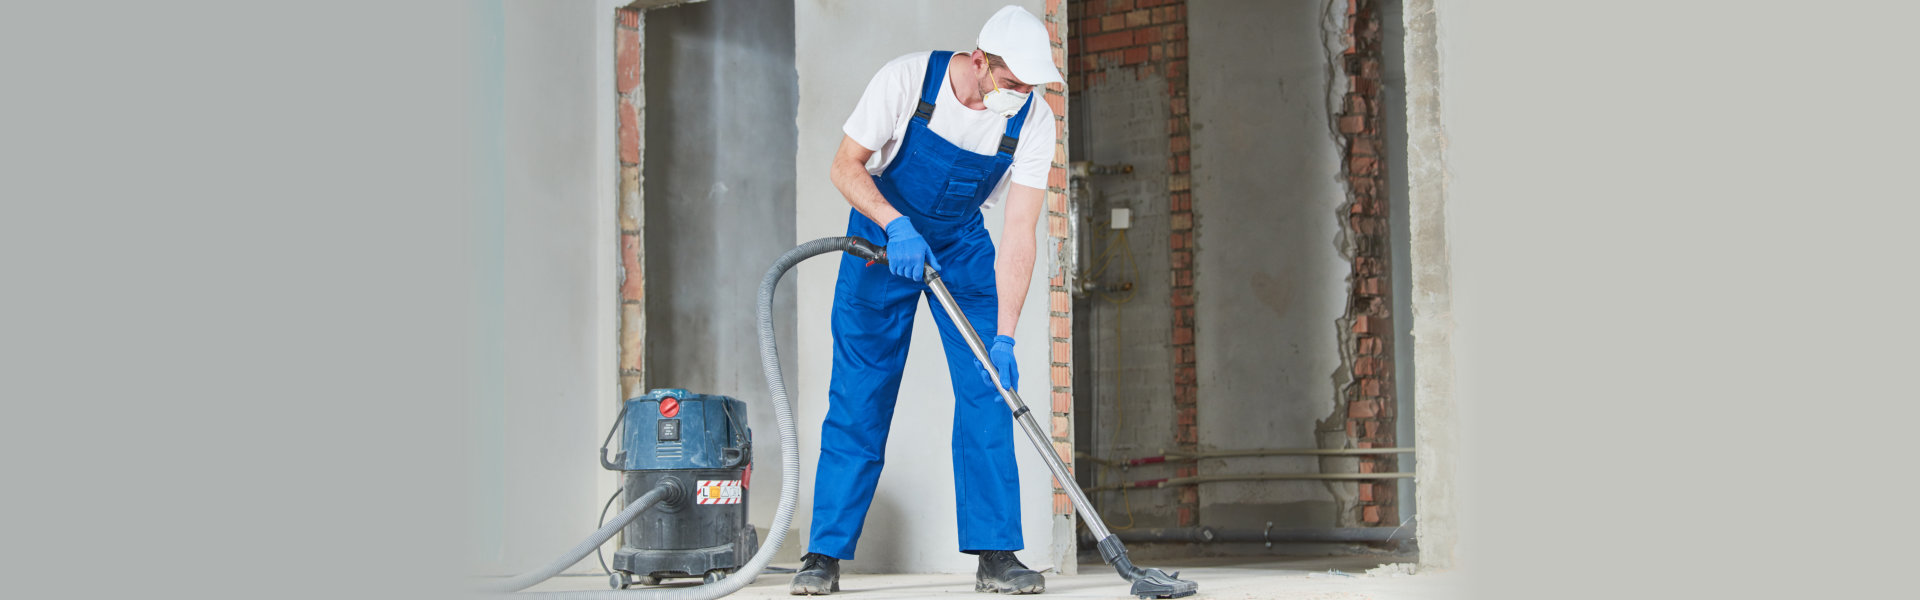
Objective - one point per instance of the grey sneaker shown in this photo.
(1001, 573)
(819, 575)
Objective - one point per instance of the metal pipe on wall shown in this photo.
(1270, 535)
(1177, 481)
(1185, 456)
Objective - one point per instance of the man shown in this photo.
(936, 137)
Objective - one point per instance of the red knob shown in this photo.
(669, 407)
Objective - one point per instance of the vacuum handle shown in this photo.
(619, 460)
(867, 250)
(878, 254)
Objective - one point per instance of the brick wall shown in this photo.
(627, 85)
(1368, 350)
(1143, 38)
(1059, 304)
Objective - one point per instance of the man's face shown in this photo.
(1000, 77)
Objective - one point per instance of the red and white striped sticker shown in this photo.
(717, 491)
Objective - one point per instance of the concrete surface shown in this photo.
(1269, 281)
(719, 203)
(1219, 579)
(911, 528)
(1431, 260)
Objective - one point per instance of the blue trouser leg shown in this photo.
(985, 477)
(872, 319)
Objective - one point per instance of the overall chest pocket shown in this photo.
(965, 189)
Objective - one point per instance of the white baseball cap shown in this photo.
(1020, 38)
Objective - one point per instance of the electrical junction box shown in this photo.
(1122, 218)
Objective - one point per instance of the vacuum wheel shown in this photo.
(618, 580)
(714, 576)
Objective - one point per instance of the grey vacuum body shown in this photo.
(699, 446)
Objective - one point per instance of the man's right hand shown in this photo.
(907, 251)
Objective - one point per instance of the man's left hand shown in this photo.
(1002, 357)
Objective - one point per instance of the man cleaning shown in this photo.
(936, 138)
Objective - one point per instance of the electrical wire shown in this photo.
(597, 525)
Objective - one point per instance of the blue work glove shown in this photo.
(1002, 357)
(907, 251)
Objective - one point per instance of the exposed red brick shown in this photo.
(629, 134)
(1361, 409)
(1109, 41)
(1113, 22)
(1353, 124)
(1183, 335)
(1362, 165)
(626, 61)
(1366, 492)
(1182, 297)
(1062, 402)
(1134, 56)
(630, 260)
(1370, 514)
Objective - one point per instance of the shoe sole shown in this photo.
(813, 590)
(1015, 589)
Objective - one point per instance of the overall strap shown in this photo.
(1011, 139)
(930, 87)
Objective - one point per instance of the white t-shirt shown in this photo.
(879, 123)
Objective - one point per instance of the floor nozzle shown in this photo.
(1147, 583)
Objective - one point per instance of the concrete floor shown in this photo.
(1305, 578)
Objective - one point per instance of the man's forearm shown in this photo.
(1013, 270)
(856, 184)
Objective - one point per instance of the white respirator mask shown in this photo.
(1006, 103)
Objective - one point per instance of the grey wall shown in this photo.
(557, 331)
(718, 185)
(911, 528)
(1123, 359)
(1269, 280)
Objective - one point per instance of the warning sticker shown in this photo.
(718, 491)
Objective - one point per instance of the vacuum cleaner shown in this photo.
(687, 465)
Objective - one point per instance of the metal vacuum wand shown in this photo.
(1147, 583)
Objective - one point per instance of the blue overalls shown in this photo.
(940, 187)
